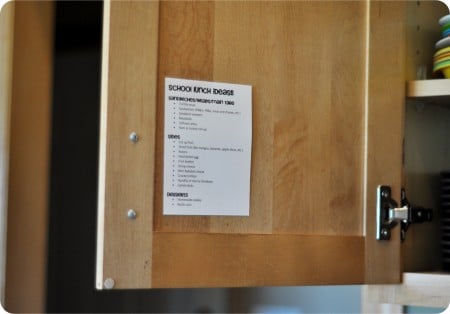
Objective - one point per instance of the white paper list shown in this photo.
(207, 148)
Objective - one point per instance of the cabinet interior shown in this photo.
(426, 138)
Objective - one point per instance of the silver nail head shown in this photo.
(384, 232)
(109, 283)
(385, 193)
(132, 214)
(133, 137)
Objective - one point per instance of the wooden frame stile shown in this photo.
(384, 106)
(129, 72)
(146, 253)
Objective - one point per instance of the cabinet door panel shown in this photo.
(298, 112)
(313, 79)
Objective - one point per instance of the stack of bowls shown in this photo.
(441, 60)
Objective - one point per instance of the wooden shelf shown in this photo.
(418, 289)
(428, 88)
(432, 91)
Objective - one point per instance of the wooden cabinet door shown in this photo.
(328, 90)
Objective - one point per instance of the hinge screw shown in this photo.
(385, 194)
(133, 137)
(131, 214)
(384, 232)
(109, 283)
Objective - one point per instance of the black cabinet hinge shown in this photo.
(389, 214)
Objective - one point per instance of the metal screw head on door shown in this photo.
(109, 283)
(131, 214)
(133, 137)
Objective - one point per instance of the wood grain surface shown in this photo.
(321, 103)
(126, 168)
(29, 154)
(307, 98)
(385, 126)
(223, 260)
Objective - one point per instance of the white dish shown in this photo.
(444, 20)
(444, 42)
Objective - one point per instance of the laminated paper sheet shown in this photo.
(207, 148)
